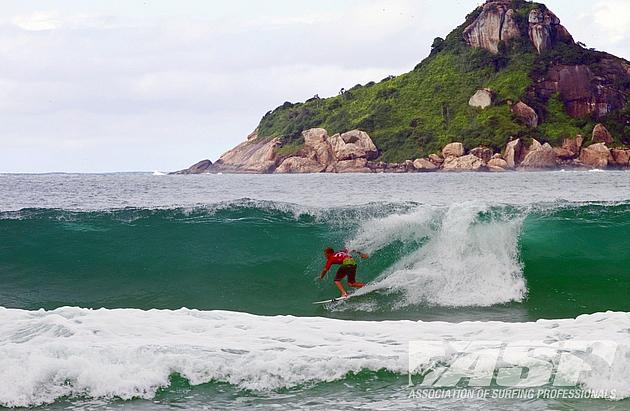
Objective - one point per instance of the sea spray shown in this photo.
(470, 256)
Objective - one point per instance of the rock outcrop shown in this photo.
(353, 144)
(354, 152)
(583, 92)
(601, 134)
(317, 140)
(513, 153)
(300, 165)
(436, 159)
(468, 162)
(357, 165)
(453, 150)
(497, 164)
(573, 146)
(423, 164)
(621, 158)
(497, 22)
(482, 98)
(595, 156)
(539, 157)
(252, 156)
(525, 113)
(342, 153)
(198, 168)
(484, 153)
(544, 28)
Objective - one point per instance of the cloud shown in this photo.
(38, 21)
(613, 18)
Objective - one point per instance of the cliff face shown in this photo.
(584, 92)
(510, 71)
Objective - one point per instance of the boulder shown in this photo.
(525, 113)
(423, 164)
(436, 159)
(357, 165)
(539, 156)
(601, 134)
(453, 150)
(483, 153)
(252, 156)
(497, 164)
(573, 145)
(300, 165)
(482, 98)
(468, 162)
(514, 153)
(621, 158)
(352, 145)
(596, 155)
(317, 140)
(377, 166)
(203, 166)
(563, 153)
(396, 168)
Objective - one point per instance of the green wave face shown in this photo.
(577, 260)
(426, 263)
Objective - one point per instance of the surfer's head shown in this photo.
(329, 251)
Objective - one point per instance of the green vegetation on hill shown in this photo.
(417, 113)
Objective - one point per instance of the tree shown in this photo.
(438, 45)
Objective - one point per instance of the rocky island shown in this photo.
(509, 89)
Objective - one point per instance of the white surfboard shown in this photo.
(334, 300)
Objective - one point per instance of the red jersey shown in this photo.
(340, 257)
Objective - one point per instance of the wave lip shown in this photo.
(129, 353)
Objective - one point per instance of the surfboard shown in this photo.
(334, 300)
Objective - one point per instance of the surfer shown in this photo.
(348, 268)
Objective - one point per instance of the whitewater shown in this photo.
(146, 291)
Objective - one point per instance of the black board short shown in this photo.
(346, 270)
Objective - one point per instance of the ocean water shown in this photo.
(141, 291)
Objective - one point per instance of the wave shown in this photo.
(558, 259)
(130, 353)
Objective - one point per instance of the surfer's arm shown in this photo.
(362, 255)
(325, 270)
(323, 274)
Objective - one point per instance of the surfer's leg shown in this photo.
(341, 273)
(352, 279)
(341, 289)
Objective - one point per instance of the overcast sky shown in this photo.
(91, 86)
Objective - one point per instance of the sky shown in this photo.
(143, 85)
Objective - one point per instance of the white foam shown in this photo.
(416, 225)
(128, 353)
(465, 259)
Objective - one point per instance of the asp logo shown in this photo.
(515, 364)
